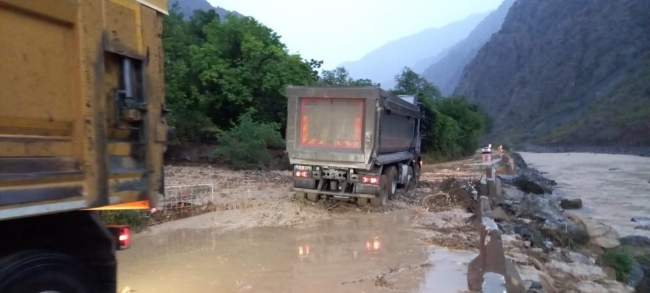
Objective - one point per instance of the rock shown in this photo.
(527, 244)
(498, 214)
(548, 246)
(547, 282)
(537, 264)
(536, 285)
(610, 272)
(529, 184)
(186, 158)
(579, 258)
(636, 240)
(640, 219)
(600, 235)
(571, 204)
(642, 227)
(636, 275)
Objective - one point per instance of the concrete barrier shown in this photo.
(490, 271)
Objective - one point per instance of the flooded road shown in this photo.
(613, 188)
(342, 254)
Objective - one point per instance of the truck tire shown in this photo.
(416, 171)
(391, 175)
(410, 180)
(384, 191)
(41, 271)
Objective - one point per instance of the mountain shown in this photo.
(382, 64)
(570, 73)
(187, 7)
(445, 72)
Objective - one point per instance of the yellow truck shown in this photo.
(81, 128)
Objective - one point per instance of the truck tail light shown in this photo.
(122, 235)
(369, 179)
(302, 174)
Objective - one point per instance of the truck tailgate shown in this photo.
(331, 123)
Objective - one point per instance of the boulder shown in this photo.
(571, 204)
(640, 219)
(600, 235)
(642, 227)
(636, 241)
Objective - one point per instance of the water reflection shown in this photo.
(487, 158)
(317, 259)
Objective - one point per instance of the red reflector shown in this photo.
(125, 237)
(369, 180)
(303, 174)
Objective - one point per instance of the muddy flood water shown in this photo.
(341, 254)
(613, 188)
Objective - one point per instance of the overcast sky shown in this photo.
(346, 30)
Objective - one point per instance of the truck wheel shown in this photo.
(384, 191)
(313, 197)
(39, 271)
(299, 195)
(410, 180)
(391, 174)
(416, 177)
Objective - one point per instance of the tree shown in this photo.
(451, 126)
(409, 82)
(341, 77)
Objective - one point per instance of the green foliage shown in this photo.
(246, 144)
(621, 259)
(216, 70)
(341, 77)
(451, 126)
(136, 219)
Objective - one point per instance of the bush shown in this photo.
(621, 259)
(246, 144)
(136, 219)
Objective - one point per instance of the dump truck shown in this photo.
(81, 128)
(352, 143)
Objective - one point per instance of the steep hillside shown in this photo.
(188, 7)
(382, 64)
(567, 73)
(446, 71)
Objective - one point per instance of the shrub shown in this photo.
(136, 219)
(621, 259)
(246, 143)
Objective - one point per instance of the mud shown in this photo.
(364, 252)
(613, 188)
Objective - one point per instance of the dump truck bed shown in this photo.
(347, 126)
(64, 143)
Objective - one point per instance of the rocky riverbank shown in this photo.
(568, 252)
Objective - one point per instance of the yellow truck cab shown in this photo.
(81, 128)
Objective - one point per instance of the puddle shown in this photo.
(343, 254)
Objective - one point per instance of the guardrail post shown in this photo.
(490, 271)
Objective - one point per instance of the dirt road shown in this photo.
(613, 188)
(260, 240)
